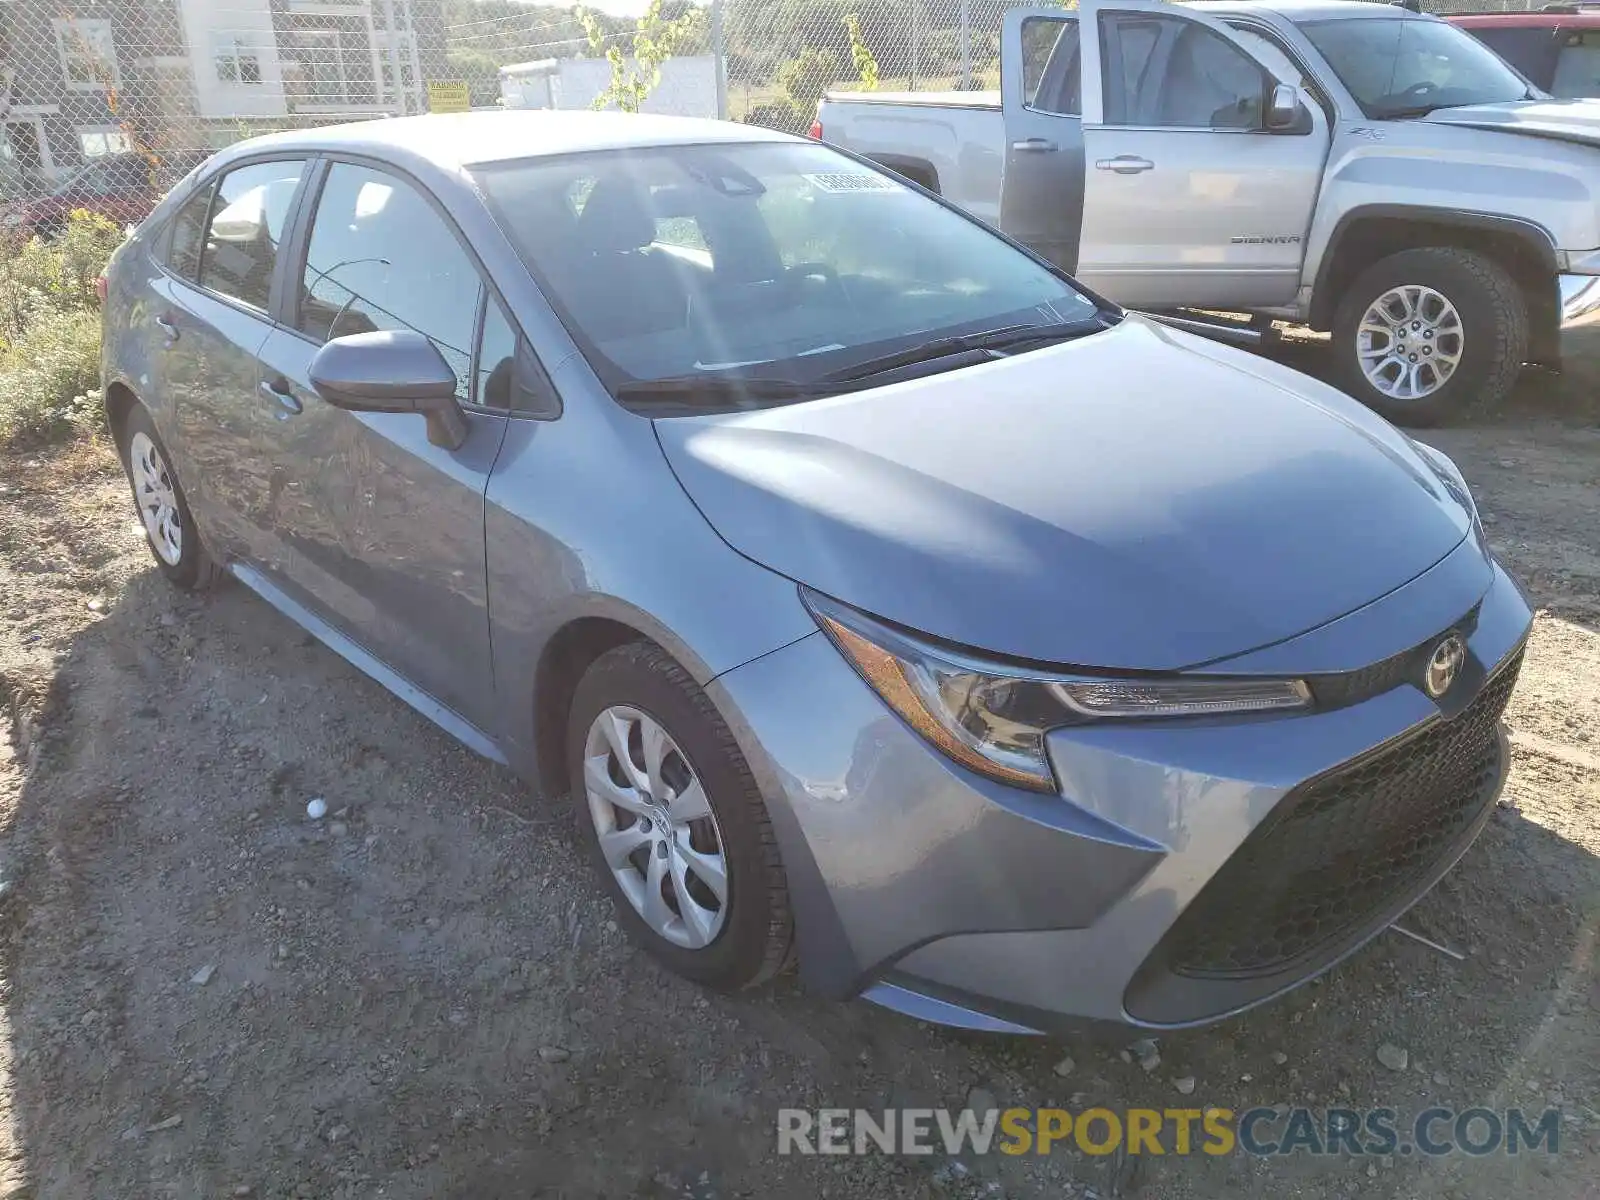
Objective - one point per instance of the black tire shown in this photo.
(1494, 331)
(757, 934)
(194, 571)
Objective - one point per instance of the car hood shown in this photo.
(1136, 499)
(1564, 120)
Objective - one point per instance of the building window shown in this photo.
(95, 140)
(335, 67)
(88, 54)
(235, 59)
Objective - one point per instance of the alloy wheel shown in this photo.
(1409, 342)
(157, 498)
(657, 832)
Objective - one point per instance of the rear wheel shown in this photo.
(163, 509)
(678, 831)
(1428, 334)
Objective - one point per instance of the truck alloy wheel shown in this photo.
(1429, 334)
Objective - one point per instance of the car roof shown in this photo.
(455, 140)
(1315, 10)
(1527, 20)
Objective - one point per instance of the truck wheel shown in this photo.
(1426, 334)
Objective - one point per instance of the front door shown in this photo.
(382, 531)
(1186, 199)
(1190, 200)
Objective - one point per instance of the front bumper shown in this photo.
(1578, 330)
(933, 891)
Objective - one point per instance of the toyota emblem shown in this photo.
(1444, 665)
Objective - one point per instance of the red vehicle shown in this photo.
(1557, 47)
(121, 187)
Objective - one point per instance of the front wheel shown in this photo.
(1424, 335)
(678, 831)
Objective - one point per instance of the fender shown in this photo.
(1534, 236)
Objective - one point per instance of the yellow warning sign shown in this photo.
(448, 97)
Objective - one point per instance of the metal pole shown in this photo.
(966, 44)
(393, 54)
(719, 53)
(913, 85)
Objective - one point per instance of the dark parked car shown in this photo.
(121, 187)
(1557, 48)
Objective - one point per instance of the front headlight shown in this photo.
(993, 718)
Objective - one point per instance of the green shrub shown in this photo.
(50, 330)
(804, 78)
(50, 379)
(39, 277)
(781, 115)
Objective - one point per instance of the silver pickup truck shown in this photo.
(1354, 166)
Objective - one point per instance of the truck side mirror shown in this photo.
(1285, 112)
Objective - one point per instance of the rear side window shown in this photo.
(245, 230)
(381, 257)
(1578, 66)
(1530, 50)
(188, 234)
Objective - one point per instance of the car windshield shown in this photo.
(1399, 67)
(784, 260)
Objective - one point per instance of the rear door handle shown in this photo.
(168, 329)
(279, 392)
(1034, 145)
(1124, 164)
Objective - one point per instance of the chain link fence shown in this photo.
(110, 100)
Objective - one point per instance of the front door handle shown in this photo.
(1034, 145)
(1124, 164)
(168, 329)
(279, 392)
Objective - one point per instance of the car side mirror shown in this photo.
(394, 371)
(1285, 111)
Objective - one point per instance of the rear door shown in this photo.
(382, 531)
(1188, 199)
(210, 320)
(1042, 182)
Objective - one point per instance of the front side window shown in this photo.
(812, 261)
(1405, 67)
(88, 54)
(497, 357)
(1051, 72)
(381, 257)
(1167, 72)
(245, 230)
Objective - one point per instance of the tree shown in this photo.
(656, 39)
(861, 54)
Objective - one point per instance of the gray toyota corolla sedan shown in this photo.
(881, 598)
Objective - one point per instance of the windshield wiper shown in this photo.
(726, 386)
(965, 343)
(720, 387)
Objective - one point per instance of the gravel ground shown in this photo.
(206, 994)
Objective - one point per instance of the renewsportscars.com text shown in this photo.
(1263, 1132)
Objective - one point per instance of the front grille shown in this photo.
(1339, 848)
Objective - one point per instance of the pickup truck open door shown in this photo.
(1162, 156)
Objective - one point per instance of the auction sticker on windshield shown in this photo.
(852, 181)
